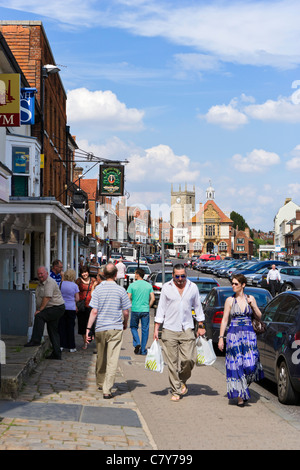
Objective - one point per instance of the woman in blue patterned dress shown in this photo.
(242, 356)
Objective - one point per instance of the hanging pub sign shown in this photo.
(10, 100)
(27, 105)
(111, 180)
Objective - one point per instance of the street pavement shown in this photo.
(60, 408)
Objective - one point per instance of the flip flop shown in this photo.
(184, 390)
(175, 398)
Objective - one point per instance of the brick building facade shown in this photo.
(29, 44)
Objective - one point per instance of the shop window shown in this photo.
(20, 169)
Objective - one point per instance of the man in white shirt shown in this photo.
(177, 300)
(273, 279)
(121, 272)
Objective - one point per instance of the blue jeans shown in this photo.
(134, 325)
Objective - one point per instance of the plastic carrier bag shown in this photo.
(206, 355)
(154, 359)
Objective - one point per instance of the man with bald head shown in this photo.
(50, 308)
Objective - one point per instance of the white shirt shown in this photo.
(273, 275)
(121, 270)
(175, 310)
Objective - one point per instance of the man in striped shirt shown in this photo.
(110, 309)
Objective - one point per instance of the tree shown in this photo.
(238, 220)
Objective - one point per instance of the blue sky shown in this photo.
(187, 91)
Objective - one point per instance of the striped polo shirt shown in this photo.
(109, 299)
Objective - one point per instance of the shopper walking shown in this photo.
(242, 356)
(273, 280)
(86, 286)
(177, 300)
(110, 309)
(141, 294)
(121, 272)
(70, 292)
(50, 308)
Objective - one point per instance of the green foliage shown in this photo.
(238, 220)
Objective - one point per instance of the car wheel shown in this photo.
(286, 287)
(286, 393)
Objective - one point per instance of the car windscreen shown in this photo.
(262, 297)
(132, 269)
(168, 277)
(205, 286)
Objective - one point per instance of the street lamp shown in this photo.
(45, 71)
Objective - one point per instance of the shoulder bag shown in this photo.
(259, 326)
(81, 303)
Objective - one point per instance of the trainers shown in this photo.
(73, 350)
(137, 349)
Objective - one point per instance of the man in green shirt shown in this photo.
(141, 294)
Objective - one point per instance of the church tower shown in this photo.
(182, 205)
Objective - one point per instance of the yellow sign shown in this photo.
(42, 165)
(10, 100)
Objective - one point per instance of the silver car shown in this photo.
(290, 278)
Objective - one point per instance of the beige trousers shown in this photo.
(108, 345)
(180, 353)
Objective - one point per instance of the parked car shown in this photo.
(279, 345)
(150, 259)
(156, 280)
(168, 262)
(213, 307)
(130, 270)
(290, 278)
(254, 278)
(209, 257)
(205, 285)
(254, 266)
(222, 271)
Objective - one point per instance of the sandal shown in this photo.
(108, 396)
(175, 397)
(184, 390)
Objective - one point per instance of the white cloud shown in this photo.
(227, 116)
(256, 161)
(102, 108)
(284, 109)
(244, 32)
(293, 164)
(294, 189)
(160, 165)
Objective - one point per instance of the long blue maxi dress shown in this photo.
(242, 356)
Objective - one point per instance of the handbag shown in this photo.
(259, 326)
(154, 360)
(206, 355)
(81, 303)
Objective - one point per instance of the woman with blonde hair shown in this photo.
(70, 293)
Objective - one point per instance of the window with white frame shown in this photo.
(197, 246)
(240, 248)
(23, 158)
(222, 246)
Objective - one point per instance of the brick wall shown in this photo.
(29, 44)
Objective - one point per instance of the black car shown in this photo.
(279, 346)
(213, 307)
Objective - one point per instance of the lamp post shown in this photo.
(45, 71)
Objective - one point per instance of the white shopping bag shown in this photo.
(154, 359)
(206, 355)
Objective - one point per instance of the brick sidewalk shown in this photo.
(70, 385)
